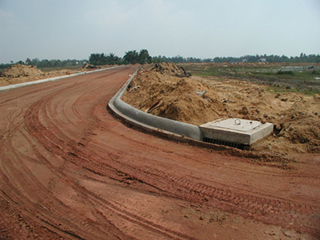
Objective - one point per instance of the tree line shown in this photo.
(131, 57)
(303, 58)
(142, 57)
(47, 63)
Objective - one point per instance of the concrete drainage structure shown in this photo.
(229, 132)
(235, 132)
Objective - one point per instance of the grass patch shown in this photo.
(208, 73)
(296, 79)
(285, 73)
(249, 72)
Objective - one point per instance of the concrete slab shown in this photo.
(238, 131)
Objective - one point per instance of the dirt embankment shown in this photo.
(26, 73)
(19, 70)
(166, 90)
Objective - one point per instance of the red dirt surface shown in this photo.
(70, 170)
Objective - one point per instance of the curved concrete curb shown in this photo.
(149, 121)
(19, 85)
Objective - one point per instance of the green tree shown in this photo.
(112, 59)
(97, 59)
(131, 57)
(28, 61)
(143, 56)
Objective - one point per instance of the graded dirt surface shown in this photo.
(70, 170)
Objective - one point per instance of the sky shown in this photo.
(73, 29)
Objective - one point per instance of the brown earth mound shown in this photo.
(26, 73)
(198, 100)
(89, 66)
(176, 97)
(170, 69)
(19, 70)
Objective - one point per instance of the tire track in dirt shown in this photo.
(213, 163)
(34, 196)
(262, 209)
(38, 203)
(63, 146)
(60, 144)
(271, 211)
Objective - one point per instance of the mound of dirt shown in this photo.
(160, 92)
(170, 69)
(89, 66)
(25, 73)
(20, 70)
(197, 100)
(300, 124)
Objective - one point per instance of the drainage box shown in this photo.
(234, 131)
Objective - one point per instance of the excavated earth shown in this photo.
(19, 73)
(70, 170)
(166, 90)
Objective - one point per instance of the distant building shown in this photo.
(244, 60)
(262, 60)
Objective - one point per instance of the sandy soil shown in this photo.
(165, 90)
(70, 170)
(26, 73)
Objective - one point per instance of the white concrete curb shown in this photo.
(149, 121)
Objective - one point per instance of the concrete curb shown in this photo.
(19, 85)
(150, 122)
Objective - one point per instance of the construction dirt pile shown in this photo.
(19, 73)
(90, 66)
(20, 70)
(166, 90)
(170, 69)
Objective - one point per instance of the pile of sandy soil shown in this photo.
(26, 73)
(19, 70)
(88, 66)
(170, 69)
(166, 90)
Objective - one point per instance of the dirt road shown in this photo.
(69, 169)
